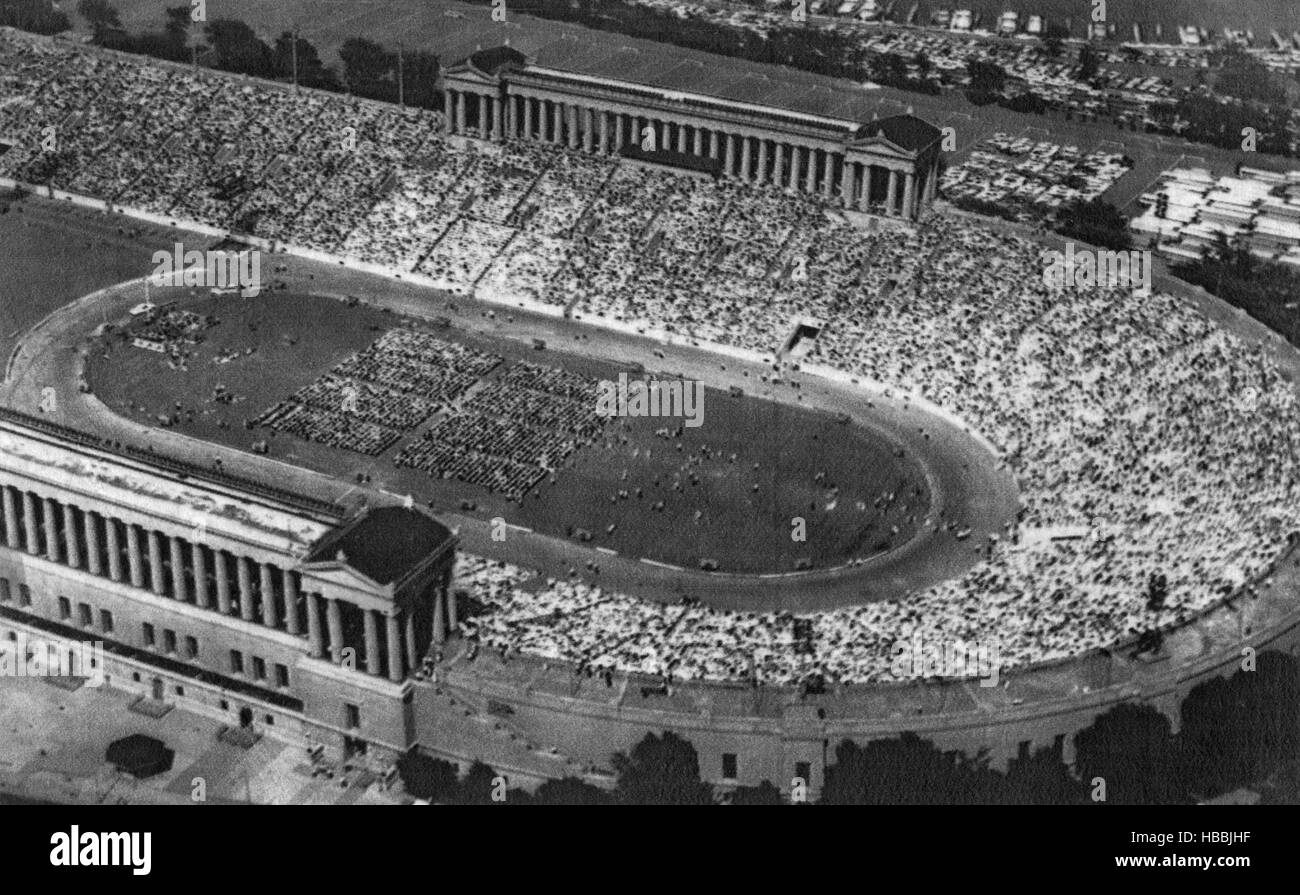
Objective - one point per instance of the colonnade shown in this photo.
(196, 571)
(745, 154)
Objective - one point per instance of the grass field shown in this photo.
(50, 256)
(712, 509)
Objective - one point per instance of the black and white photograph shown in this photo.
(651, 403)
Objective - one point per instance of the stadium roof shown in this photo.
(493, 60)
(906, 131)
(384, 544)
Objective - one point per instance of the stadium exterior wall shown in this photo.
(792, 729)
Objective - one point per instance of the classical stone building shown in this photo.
(264, 608)
(885, 165)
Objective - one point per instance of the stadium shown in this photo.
(1098, 487)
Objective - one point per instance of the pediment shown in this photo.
(340, 573)
(880, 145)
(466, 72)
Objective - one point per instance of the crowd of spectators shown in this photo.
(1164, 444)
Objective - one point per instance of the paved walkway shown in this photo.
(52, 744)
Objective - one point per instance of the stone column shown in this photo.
(440, 617)
(292, 617)
(90, 534)
(698, 146)
(314, 637)
(909, 196)
(604, 132)
(744, 158)
(334, 618)
(221, 565)
(452, 617)
(484, 129)
(762, 162)
(71, 539)
(713, 143)
(134, 560)
(51, 515)
(461, 101)
(270, 617)
(729, 163)
(112, 545)
(557, 122)
(681, 138)
(848, 183)
(528, 117)
(11, 517)
(588, 130)
(778, 165)
(156, 582)
(498, 118)
(179, 590)
(396, 670)
(828, 174)
(931, 182)
(408, 629)
(448, 109)
(199, 562)
(372, 643)
(29, 524)
(571, 119)
(865, 202)
(244, 575)
(891, 200)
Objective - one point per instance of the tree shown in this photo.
(1096, 222)
(570, 791)
(178, 23)
(427, 778)
(420, 76)
(1043, 779)
(311, 71)
(1131, 748)
(368, 68)
(763, 794)
(1238, 730)
(986, 78)
(102, 18)
(239, 49)
(36, 16)
(661, 770)
(477, 786)
(1245, 78)
(907, 770)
